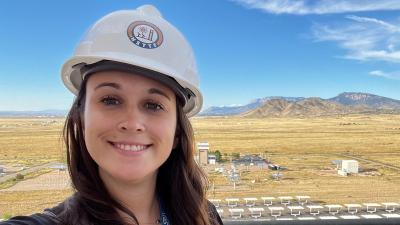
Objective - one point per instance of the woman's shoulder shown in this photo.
(214, 216)
(44, 218)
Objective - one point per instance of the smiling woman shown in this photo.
(130, 124)
(129, 141)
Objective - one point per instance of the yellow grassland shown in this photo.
(30, 141)
(29, 202)
(305, 146)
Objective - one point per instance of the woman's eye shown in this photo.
(153, 106)
(109, 100)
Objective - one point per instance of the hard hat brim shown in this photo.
(74, 71)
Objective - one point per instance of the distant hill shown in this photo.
(370, 100)
(306, 107)
(345, 103)
(43, 113)
(235, 110)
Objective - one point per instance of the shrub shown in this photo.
(7, 216)
(235, 155)
(19, 176)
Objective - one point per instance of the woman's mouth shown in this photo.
(130, 147)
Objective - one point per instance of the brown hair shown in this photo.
(180, 181)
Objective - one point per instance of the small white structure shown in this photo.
(295, 210)
(219, 169)
(285, 200)
(2, 171)
(302, 199)
(268, 200)
(250, 201)
(256, 212)
(215, 202)
(390, 206)
(212, 159)
(232, 202)
(236, 213)
(278, 211)
(348, 166)
(345, 167)
(353, 208)
(333, 209)
(59, 166)
(372, 207)
(314, 209)
(220, 212)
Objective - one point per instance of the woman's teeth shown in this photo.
(134, 148)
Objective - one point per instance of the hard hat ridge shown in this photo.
(149, 10)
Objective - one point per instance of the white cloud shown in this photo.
(302, 7)
(392, 75)
(364, 38)
(377, 73)
(384, 24)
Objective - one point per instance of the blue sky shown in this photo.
(245, 49)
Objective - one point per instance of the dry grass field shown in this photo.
(30, 141)
(305, 146)
(28, 202)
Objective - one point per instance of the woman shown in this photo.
(129, 140)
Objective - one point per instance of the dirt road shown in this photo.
(28, 170)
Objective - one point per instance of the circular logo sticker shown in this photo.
(145, 34)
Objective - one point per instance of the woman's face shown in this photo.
(129, 124)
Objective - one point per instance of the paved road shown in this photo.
(26, 171)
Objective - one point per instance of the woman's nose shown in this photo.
(132, 121)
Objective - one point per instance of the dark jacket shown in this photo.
(50, 216)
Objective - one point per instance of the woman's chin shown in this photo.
(132, 177)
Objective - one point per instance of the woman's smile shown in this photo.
(129, 149)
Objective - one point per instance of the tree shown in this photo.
(218, 155)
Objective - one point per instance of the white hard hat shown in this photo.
(142, 39)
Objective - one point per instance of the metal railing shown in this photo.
(391, 221)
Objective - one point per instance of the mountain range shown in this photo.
(344, 103)
(42, 113)
(278, 106)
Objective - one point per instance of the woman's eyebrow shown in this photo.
(158, 91)
(117, 86)
(108, 84)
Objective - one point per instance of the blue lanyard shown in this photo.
(163, 215)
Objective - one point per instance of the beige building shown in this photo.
(203, 148)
